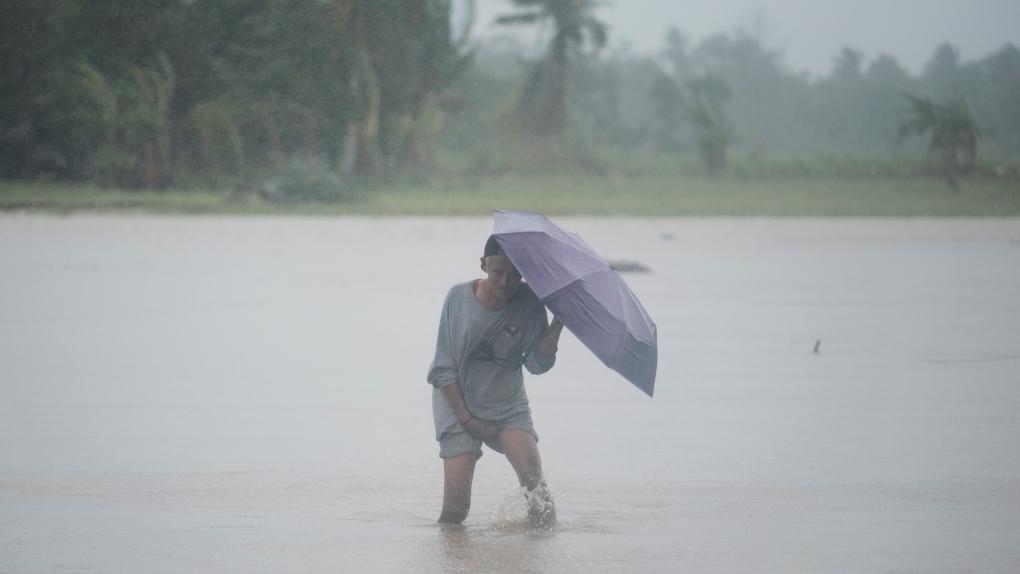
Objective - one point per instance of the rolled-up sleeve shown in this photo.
(443, 370)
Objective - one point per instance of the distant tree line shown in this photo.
(141, 93)
(153, 93)
(857, 108)
(731, 91)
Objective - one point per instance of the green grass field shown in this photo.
(617, 193)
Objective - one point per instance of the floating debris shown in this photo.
(629, 267)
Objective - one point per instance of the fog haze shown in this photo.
(807, 32)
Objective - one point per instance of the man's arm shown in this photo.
(541, 342)
(550, 343)
(443, 370)
(476, 426)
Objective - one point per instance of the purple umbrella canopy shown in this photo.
(584, 291)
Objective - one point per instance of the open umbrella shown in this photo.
(584, 291)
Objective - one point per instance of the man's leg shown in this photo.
(458, 473)
(521, 450)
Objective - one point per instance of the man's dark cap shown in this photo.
(492, 247)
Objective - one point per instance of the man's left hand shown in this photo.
(480, 428)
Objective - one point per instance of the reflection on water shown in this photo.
(498, 538)
(504, 546)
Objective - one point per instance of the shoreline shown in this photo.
(584, 195)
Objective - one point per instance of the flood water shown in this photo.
(248, 395)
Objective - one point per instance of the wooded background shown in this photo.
(162, 93)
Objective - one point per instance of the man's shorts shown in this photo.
(457, 443)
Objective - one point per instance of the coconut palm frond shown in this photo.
(464, 34)
(597, 32)
(923, 118)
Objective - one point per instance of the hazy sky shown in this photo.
(810, 32)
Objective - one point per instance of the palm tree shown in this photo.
(953, 130)
(573, 22)
(708, 94)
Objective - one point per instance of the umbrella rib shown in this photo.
(623, 327)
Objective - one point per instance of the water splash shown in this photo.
(520, 509)
(539, 500)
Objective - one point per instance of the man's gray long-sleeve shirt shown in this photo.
(492, 391)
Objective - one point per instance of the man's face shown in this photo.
(503, 277)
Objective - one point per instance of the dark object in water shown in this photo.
(818, 343)
(629, 267)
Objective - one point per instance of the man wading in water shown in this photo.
(489, 329)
